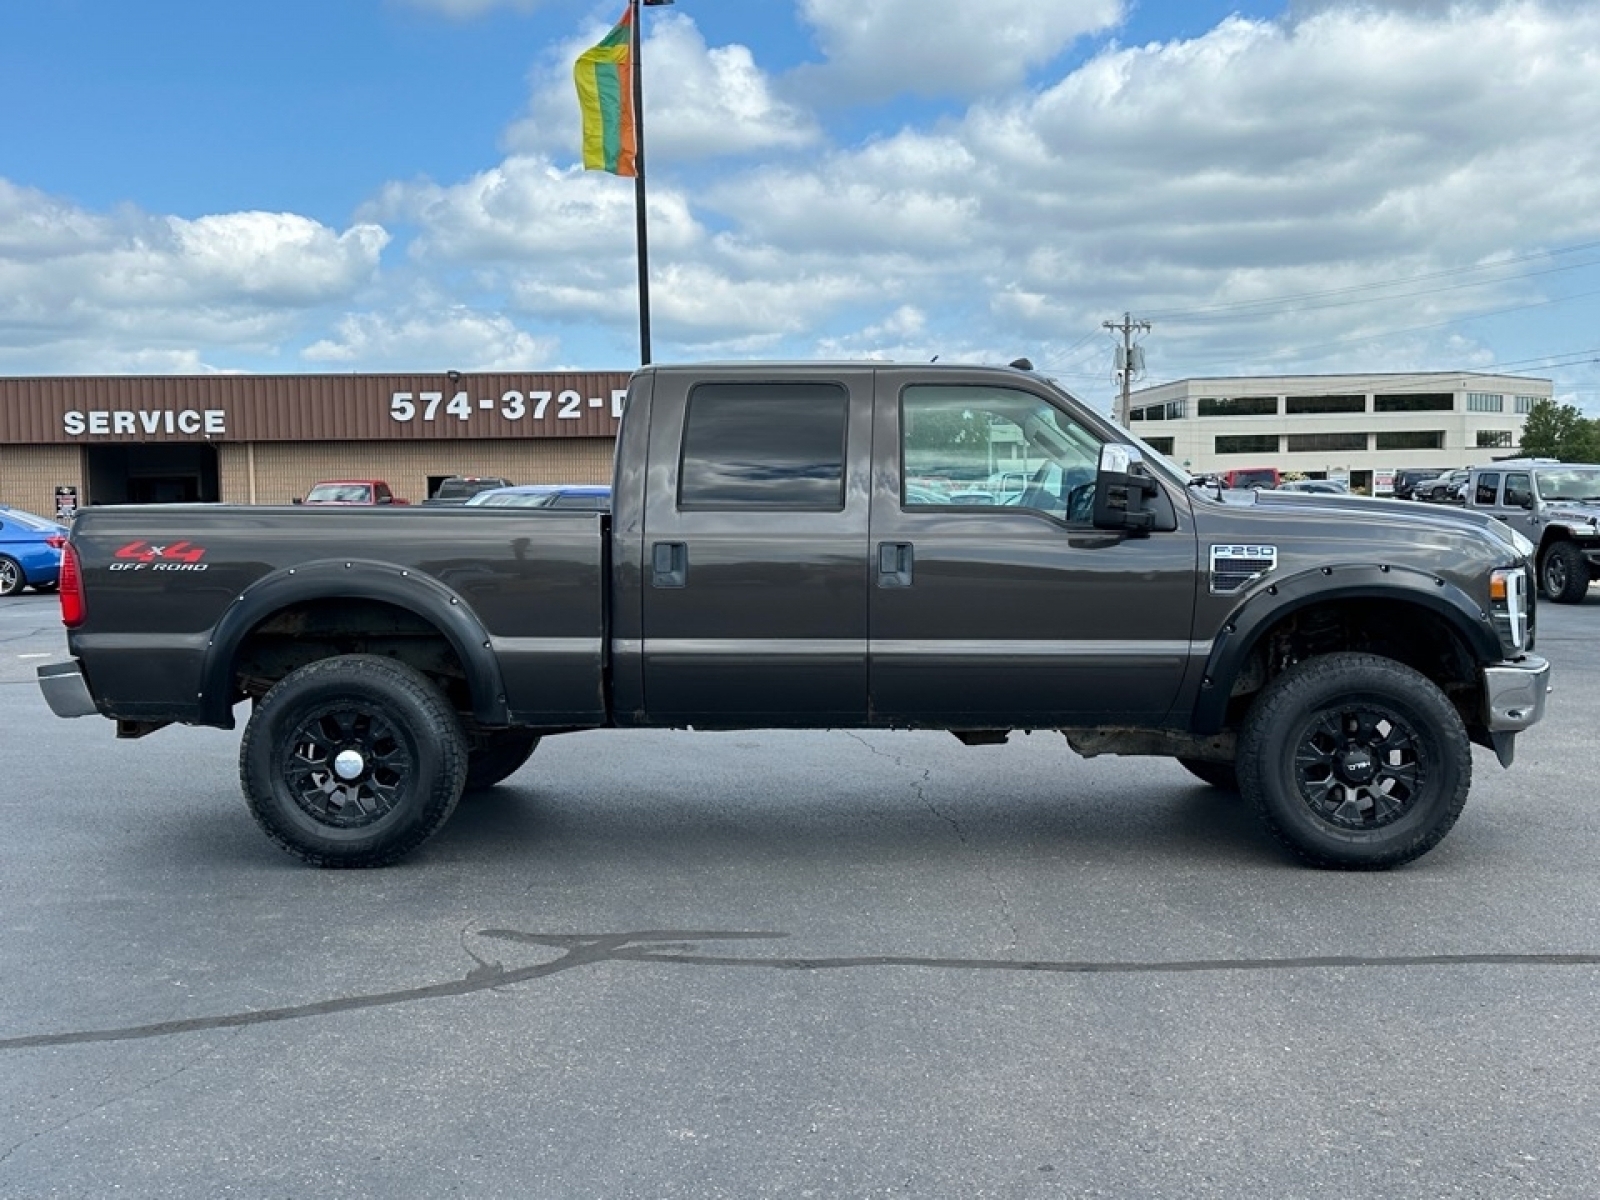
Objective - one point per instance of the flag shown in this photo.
(604, 75)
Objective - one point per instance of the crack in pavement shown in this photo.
(676, 948)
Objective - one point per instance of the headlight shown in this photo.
(1508, 605)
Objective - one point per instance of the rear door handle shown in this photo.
(669, 564)
(894, 564)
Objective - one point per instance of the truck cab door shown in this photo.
(753, 585)
(1011, 610)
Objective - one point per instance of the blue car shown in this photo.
(588, 497)
(30, 551)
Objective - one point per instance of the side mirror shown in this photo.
(1120, 487)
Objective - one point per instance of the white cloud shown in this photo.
(880, 48)
(165, 289)
(444, 337)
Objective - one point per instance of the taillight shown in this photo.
(71, 588)
(56, 541)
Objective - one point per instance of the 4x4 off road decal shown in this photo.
(150, 556)
(1233, 567)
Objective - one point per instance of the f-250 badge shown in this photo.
(149, 556)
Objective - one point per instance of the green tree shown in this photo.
(1560, 431)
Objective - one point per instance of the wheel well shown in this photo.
(311, 630)
(1407, 633)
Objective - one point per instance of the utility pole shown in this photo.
(1130, 361)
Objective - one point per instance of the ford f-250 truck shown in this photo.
(776, 557)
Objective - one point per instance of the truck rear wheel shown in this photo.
(1564, 573)
(353, 761)
(1355, 761)
(497, 754)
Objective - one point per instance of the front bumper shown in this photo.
(65, 690)
(1514, 695)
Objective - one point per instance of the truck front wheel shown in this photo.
(1355, 761)
(353, 761)
(1564, 573)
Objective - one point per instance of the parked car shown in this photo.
(351, 491)
(588, 497)
(1326, 487)
(1407, 478)
(1247, 478)
(1556, 505)
(458, 489)
(30, 551)
(1443, 489)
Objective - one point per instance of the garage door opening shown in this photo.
(164, 473)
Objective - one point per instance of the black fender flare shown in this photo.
(355, 579)
(1275, 599)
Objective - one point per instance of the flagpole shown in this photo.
(638, 187)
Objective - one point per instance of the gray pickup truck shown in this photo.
(1556, 505)
(825, 545)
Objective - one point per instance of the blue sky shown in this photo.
(371, 185)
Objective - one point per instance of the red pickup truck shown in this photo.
(351, 491)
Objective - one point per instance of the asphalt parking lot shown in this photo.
(802, 964)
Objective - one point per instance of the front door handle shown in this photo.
(894, 564)
(669, 564)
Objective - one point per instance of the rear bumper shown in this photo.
(65, 690)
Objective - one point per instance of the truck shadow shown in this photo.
(1198, 825)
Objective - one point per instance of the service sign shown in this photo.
(295, 408)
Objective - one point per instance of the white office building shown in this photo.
(1358, 428)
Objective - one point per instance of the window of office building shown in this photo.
(1164, 445)
(1524, 404)
(1414, 402)
(1173, 410)
(1303, 442)
(1296, 406)
(1485, 402)
(1238, 406)
(1248, 443)
(1410, 439)
(1496, 439)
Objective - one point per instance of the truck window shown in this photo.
(1484, 490)
(764, 445)
(1519, 489)
(980, 446)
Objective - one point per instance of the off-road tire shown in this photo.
(406, 761)
(497, 754)
(1564, 573)
(1218, 774)
(1355, 761)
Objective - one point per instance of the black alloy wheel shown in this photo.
(1355, 761)
(1564, 573)
(353, 761)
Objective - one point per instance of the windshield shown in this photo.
(1569, 483)
(339, 493)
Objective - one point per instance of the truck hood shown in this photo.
(1391, 514)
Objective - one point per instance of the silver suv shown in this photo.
(1557, 506)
